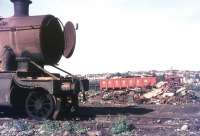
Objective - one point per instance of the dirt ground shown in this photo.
(146, 120)
(178, 117)
(105, 120)
(119, 116)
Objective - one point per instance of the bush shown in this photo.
(74, 128)
(120, 126)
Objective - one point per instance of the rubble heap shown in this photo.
(167, 96)
(162, 93)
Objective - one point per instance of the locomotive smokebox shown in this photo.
(21, 7)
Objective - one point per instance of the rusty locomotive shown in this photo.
(27, 44)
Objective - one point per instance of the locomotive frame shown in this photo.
(42, 97)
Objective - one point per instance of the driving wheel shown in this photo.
(39, 105)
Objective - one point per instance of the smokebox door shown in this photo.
(70, 39)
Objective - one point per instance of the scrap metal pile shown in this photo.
(167, 96)
(170, 91)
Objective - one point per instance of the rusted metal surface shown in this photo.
(70, 39)
(5, 84)
(174, 81)
(38, 37)
(39, 78)
(67, 86)
(9, 63)
(48, 85)
(127, 83)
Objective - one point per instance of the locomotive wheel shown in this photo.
(39, 105)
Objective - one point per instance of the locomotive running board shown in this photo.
(45, 71)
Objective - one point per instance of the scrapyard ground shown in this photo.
(121, 114)
(95, 119)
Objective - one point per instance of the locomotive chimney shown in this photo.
(21, 7)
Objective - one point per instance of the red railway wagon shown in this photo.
(127, 83)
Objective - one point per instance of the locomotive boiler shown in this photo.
(27, 43)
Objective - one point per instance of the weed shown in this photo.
(120, 125)
(74, 128)
(50, 127)
(21, 125)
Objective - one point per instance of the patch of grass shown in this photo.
(120, 126)
(57, 127)
(50, 127)
(20, 125)
(74, 128)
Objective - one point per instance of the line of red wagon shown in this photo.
(127, 83)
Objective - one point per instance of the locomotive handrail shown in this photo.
(73, 76)
(63, 70)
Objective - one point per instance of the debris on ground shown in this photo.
(153, 93)
(184, 128)
(161, 94)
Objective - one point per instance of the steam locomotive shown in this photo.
(27, 44)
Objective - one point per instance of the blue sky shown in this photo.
(126, 35)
